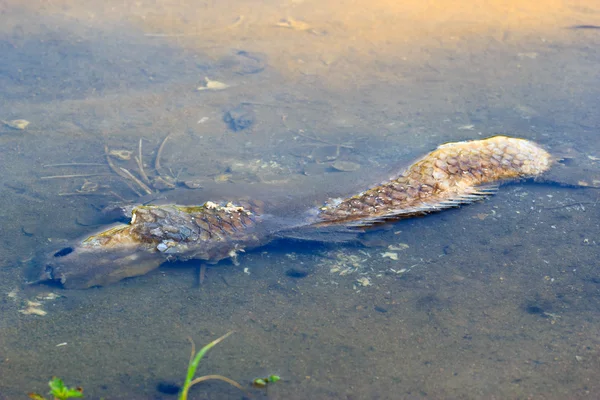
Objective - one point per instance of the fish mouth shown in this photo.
(48, 273)
(46, 277)
(45, 269)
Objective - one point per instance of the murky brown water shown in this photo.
(499, 299)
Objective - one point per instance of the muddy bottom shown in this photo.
(466, 311)
(498, 299)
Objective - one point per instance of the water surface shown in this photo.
(495, 300)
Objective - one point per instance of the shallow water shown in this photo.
(497, 300)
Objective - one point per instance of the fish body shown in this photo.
(453, 174)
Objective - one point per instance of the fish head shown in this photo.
(79, 268)
(98, 260)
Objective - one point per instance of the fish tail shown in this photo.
(453, 174)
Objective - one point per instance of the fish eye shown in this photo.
(63, 252)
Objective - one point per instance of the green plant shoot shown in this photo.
(263, 382)
(193, 365)
(59, 391)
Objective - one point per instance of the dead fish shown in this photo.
(453, 174)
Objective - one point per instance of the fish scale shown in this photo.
(170, 228)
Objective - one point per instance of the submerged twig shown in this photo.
(83, 164)
(218, 377)
(141, 184)
(117, 171)
(85, 194)
(157, 166)
(72, 176)
(140, 164)
(166, 179)
(318, 139)
(118, 196)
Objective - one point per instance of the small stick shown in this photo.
(71, 176)
(71, 165)
(138, 159)
(130, 186)
(144, 187)
(157, 166)
(118, 172)
(112, 165)
(118, 196)
(85, 194)
(221, 378)
(318, 139)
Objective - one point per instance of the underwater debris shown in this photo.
(364, 281)
(33, 308)
(398, 247)
(19, 124)
(121, 154)
(239, 118)
(294, 24)
(390, 255)
(209, 84)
